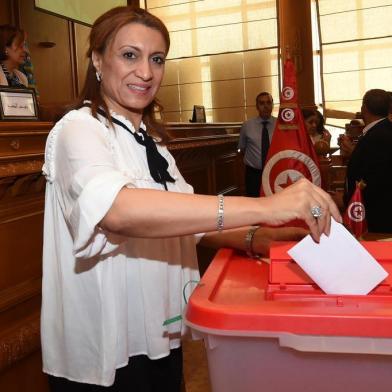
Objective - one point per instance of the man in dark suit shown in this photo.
(371, 161)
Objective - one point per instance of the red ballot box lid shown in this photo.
(284, 270)
(236, 295)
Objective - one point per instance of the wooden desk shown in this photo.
(377, 237)
(21, 216)
(207, 156)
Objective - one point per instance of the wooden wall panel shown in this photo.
(199, 177)
(228, 173)
(53, 68)
(195, 166)
(6, 12)
(21, 222)
(81, 45)
(206, 155)
(21, 257)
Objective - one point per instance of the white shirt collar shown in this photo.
(370, 125)
(269, 119)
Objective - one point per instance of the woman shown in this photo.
(12, 55)
(120, 222)
(314, 123)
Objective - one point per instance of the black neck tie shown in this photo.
(157, 164)
(265, 143)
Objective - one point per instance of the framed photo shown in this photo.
(18, 104)
(199, 114)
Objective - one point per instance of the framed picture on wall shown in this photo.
(199, 114)
(18, 104)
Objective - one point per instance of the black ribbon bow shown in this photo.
(157, 164)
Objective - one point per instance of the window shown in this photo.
(356, 53)
(223, 53)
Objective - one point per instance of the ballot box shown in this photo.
(268, 327)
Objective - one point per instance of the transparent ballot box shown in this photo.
(268, 327)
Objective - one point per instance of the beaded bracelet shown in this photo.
(249, 242)
(220, 218)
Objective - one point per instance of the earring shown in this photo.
(98, 75)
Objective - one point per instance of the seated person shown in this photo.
(314, 123)
(12, 55)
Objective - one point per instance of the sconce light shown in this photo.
(46, 44)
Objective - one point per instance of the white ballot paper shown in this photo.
(339, 264)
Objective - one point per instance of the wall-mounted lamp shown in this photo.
(47, 44)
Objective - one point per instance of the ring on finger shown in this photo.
(316, 212)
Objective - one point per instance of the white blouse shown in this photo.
(105, 296)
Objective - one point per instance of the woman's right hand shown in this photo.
(296, 202)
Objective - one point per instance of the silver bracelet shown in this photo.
(249, 242)
(221, 211)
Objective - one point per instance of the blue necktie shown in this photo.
(265, 143)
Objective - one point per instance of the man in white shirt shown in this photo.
(255, 138)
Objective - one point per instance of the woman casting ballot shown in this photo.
(121, 223)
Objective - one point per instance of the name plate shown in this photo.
(18, 104)
(199, 114)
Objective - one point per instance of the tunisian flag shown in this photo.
(291, 155)
(355, 217)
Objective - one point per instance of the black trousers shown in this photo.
(252, 181)
(140, 375)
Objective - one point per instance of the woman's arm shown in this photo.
(261, 242)
(154, 214)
